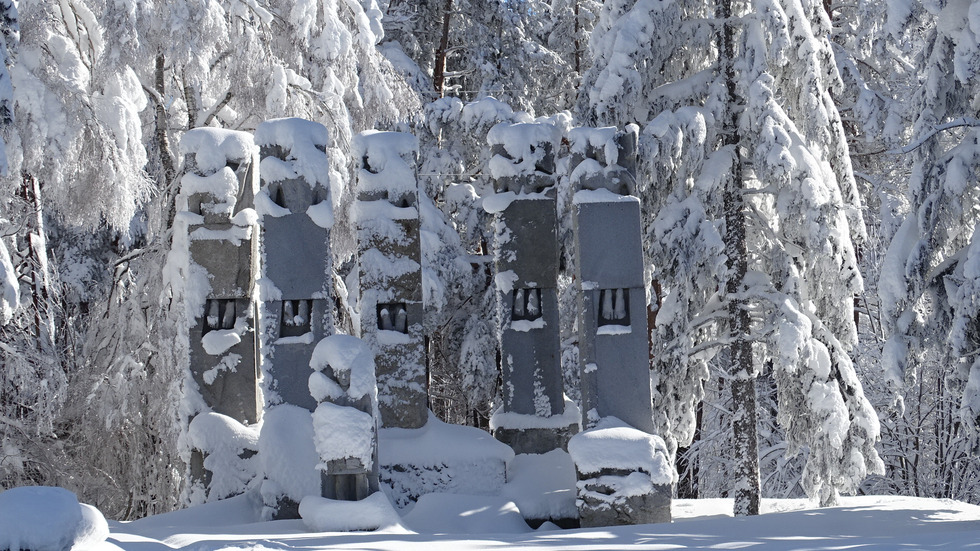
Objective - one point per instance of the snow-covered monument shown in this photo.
(278, 398)
(216, 238)
(622, 468)
(534, 416)
(296, 269)
(391, 273)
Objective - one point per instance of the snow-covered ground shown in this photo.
(863, 523)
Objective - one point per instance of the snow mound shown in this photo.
(615, 445)
(526, 145)
(465, 514)
(45, 518)
(329, 515)
(542, 485)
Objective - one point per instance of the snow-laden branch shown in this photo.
(957, 123)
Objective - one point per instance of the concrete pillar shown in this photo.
(613, 347)
(391, 273)
(214, 205)
(297, 270)
(533, 416)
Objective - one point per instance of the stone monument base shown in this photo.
(536, 440)
(616, 500)
(624, 475)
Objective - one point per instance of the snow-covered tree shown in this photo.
(929, 285)
(755, 212)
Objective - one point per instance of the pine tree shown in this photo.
(753, 202)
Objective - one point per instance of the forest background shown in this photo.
(809, 180)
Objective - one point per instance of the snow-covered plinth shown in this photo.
(543, 487)
(443, 458)
(536, 434)
(624, 475)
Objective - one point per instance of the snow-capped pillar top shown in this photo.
(219, 179)
(295, 169)
(523, 156)
(604, 158)
(388, 167)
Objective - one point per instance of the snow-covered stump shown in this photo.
(534, 416)
(390, 266)
(345, 421)
(624, 475)
(296, 215)
(215, 206)
(612, 317)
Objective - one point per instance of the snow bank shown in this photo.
(304, 143)
(212, 148)
(328, 515)
(44, 518)
(614, 445)
(287, 454)
(438, 443)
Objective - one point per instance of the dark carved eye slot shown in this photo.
(527, 305)
(614, 307)
(219, 314)
(295, 318)
(393, 316)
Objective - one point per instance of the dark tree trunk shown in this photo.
(439, 71)
(744, 415)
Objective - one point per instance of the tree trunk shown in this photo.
(744, 414)
(439, 71)
(37, 252)
(169, 183)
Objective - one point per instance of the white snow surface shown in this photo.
(613, 444)
(601, 196)
(218, 342)
(865, 522)
(302, 140)
(45, 518)
(523, 143)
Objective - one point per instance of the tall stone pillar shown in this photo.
(297, 270)
(390, 266)
(623, 470)
(215, 206)
(533, 416)
(613, 347)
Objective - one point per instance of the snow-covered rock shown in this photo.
(45, 518)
